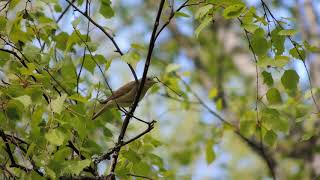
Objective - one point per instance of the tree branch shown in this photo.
(137, 97)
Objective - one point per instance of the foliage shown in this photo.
(57, 59)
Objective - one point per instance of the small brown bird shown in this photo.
(124, 96)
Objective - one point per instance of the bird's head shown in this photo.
(150, 81)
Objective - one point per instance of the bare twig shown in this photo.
(107, 34)
(85, 48)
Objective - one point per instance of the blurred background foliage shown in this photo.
(206, 55)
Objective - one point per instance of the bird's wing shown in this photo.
(123, 90)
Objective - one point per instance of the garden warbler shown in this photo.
(124, 96)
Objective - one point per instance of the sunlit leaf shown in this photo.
(204, 23)
(210, 154)
(287, 32)
(57, 104)
(306, 136)
(181, 14)
(272, 120)
(203, 11)
(78, 97)
(213, 93)
(75, 167)
(172, 67)
(248, 123)
(298, 53)
(55, 137)
(233, 11)
(25, 100)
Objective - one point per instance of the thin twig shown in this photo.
(139, 176)
(107, 34)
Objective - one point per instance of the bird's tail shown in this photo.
(102, 109)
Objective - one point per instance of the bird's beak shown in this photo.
(157, 79)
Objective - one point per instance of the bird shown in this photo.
(124, 96)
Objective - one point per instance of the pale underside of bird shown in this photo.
(124, 96)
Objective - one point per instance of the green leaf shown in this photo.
(75, 167)
(301, 110)
(260, 43)
(278, 41)
(298, 53)
(203, 24)
(62, 154)
(3, 23)
(311, 48)
(287, 32)
(141, 168)
(13, 3)
(88, 63)
(57, 8)
(233, 11)
(210, 154)
(76, 22)
(4, 58)
(270, 138)
(290, 79)
(267, 78)
(61, 40)
(29, 70)
(106, 9)
(250, 27)
(213, 93)
(203, 11)
(25, 100)
(138, 46)
(55, 137)
(131, 155)
(151, 140)
(78, 98)
(133, 57)
(107, 132)
(248, 123)
(181, 14)
(281, 61)
(273, 96)
(30, 149)
(57, 104)
(14, 109)
(306, 136)
(219, 104)
(172, 68)
(50, 173)
(272, 120)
